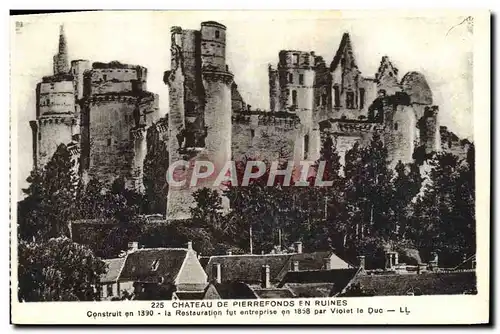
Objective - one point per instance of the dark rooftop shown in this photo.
(112, 273)
(274, 293)
(153, 265)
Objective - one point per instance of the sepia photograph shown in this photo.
(282, 158)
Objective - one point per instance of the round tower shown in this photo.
(56, 121)
(213, 46)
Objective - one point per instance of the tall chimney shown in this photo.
(133, 246)
(362, 262)
(298, 247)
(266, 276)
(216, 272)
(190, 245)
(295, 266)
(388, 260)
(328, 263)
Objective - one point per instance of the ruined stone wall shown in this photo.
(111, 119)
(49, 132)
(264, 137)
(274, 89)
(78, 68)
(346, 133)
(429, 130)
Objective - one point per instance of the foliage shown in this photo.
(57, 270)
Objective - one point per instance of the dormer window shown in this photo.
(155, 265)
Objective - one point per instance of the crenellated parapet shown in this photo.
(120, 98)
(349, 128)
(66, 120)
(262, 118)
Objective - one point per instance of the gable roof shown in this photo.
(345, 46)
(386, 66)
(247, 268)
(114, 267)
(274, 293)
(313, 261)
(446, 283)
(338, 278)
(139, 265)
(233, 290)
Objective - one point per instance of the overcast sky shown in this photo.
(254, 39)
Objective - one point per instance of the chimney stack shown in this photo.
(298, 247)
(190, 245)
(266, 277)
(133, 246)
(295, 266)
(328, 263)
(388, 260)
(362, 263)
(216, 272)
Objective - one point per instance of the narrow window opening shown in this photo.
(252, 133)
(290, 78)
(396, 126)
(361, 98)
(217, 34)
(324, 99)
(306, 146)
(337, 96)
(301, 79)
(295, 59)
(349, 101)
(108, 142)
(105, 77)
(39, 136)
(294, 97)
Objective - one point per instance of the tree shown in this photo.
(50, 201)
(444, 215)
(155, 171)
(58, 270)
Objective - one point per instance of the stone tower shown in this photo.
(116, 112)
(199, 112)
(56, 120)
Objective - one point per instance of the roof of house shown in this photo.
(151, 265)
(190, 295)
(337, 278)
(444, 283)
(467, 264)
(114, 266)
(233, 290)
(311, 290)
(274, 293)
(247, 268)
